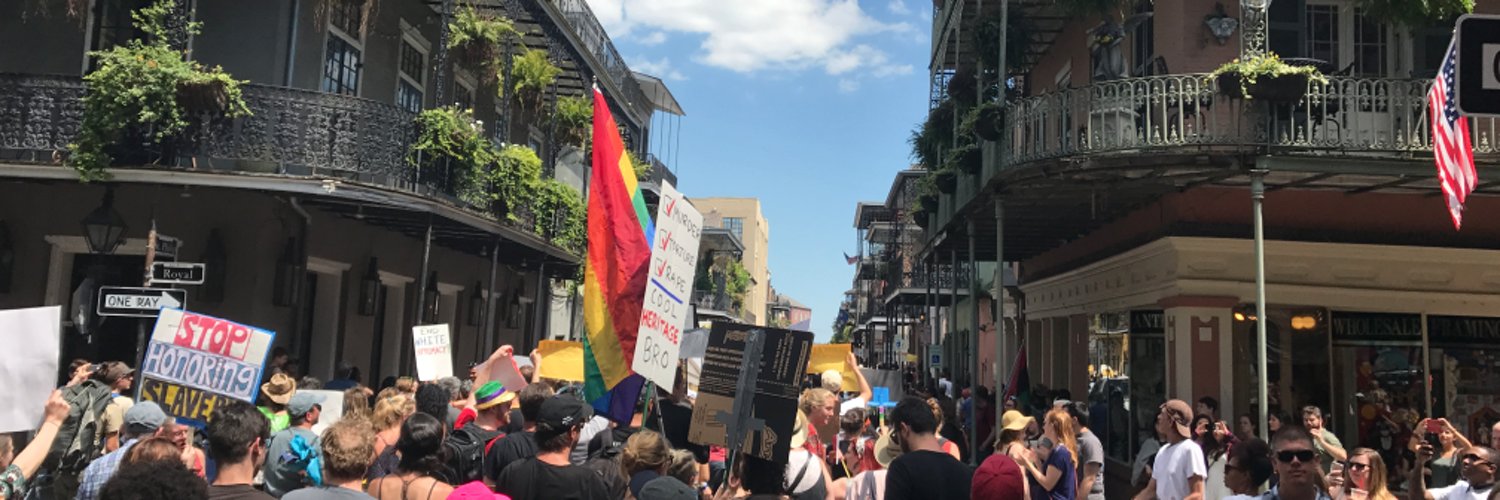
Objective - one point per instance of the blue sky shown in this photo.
(805, 104)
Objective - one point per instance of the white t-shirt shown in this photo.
(946, 386)
(1460, 491)
(852, 403)
(1174, 465)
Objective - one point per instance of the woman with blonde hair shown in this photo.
(356, 403)
(646, 456)
(390, 412)
(948, 445)
(1365, 477)
(1054, 469)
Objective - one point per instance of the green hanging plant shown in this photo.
(1265, 77)
(574, 120)
(934, 136)
(737, 282)
(553, 197)
(451, 135)
(146, 92)
(476, 38)
(515, 178)
(642, 168)
(532, 73)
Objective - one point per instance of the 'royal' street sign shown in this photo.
(139, 302)
(180, 273)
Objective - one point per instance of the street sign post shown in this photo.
(167, 246)
(139, 302)
(180, 273)
(1478, 65)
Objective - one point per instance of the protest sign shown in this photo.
(333, 409)
(833, 357)
(196, 363)
(28, 365)
(783, 361)
(694, 343)
(434, 351)
(669, 283)
(207, 353)
(508, 373)
(561, 360)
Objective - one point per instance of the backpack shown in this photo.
(80, 439)
(465, 449)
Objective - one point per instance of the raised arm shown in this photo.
(30, 459)
(864, 385)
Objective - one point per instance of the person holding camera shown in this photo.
(1446, 442)
(1478, 471)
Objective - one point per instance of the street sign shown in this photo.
(167, 246)
(1478, 65)
(935, 356)
(181, 273)
(139, 302)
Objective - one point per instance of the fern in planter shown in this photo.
(966, 158)
(556, 199)
(574, 120)
(946, 180)
(1265, 77)
(934, 135)
(642, 169)
(515, 177)
(146, 92)
(477, 39)
(449, 135)
(532, 73)
(985, 121)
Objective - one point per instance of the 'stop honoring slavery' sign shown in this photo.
(674, 259)
(207, 353)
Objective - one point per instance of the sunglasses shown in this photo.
(1303, 456)
(1476, 459)
(1357, 466)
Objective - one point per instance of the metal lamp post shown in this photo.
(104, 228)
(1253, 24)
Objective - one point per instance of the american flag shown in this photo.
(1450, 140)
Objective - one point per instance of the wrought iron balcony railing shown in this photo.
(1348, 116)
(707, 299)
(914, 275)
(290, 132)
(596, 39)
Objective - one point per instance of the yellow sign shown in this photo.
(561, 360)
(834, 357)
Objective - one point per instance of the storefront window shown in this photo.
(1297, 360)
(1377, 376)
(1127, 376)
(1465, 373)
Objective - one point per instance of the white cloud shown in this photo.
(661, 68)
(899, 8)
(652, 39)
(848, 86)
(764, 35)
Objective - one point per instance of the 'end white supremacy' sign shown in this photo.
(669, 285)
(434, 349)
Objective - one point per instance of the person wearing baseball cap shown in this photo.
(144, 420)
(283, 465)
(120, 377)
(1179, 469)
(550, 474)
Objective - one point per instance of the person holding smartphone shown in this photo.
(1446, 442)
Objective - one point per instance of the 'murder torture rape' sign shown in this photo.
(206, 353)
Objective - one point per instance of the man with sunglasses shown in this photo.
(1297, 466)
(1179, 469)
(1478, 473)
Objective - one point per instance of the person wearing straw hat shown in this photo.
(870, 484)
(806, 475)
(276, 393)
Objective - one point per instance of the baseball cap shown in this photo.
(113, 371)
(1181, 414)
(998, 478)
(667, 488)
(302, 402)
(145, 415)
(491, 394)
(559, 414)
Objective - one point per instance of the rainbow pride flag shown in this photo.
(614, 277)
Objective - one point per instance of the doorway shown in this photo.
(100, 339)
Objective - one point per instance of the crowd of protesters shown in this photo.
(476, 438)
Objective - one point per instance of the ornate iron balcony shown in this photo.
(1346, 117)
(290, 132)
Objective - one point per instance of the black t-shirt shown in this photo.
(508, 450)
(532, 479)
(237, 492)
(517, 422)
(678, 419)
(927, 475)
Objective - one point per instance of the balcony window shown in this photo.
(410, 77)
(1370, 40)
(1323, 32)
(112, 25)
(735, 225)
(463, 89)
(1348, 39)
(344, 56)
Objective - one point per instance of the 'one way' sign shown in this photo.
(139, 302)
